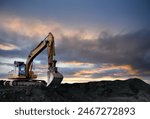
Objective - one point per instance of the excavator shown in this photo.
(23, 74)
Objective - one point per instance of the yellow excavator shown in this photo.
(23, 75)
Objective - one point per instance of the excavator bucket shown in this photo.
(54, 79)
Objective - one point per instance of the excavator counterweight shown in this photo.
(23, 74)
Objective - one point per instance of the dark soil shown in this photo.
(103, 91)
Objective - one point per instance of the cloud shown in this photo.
(81, 53)
(131, 49)
(104, 70)
(5, 68)
(23, 34)
(29, 28)
(36, 28)
(7, 46)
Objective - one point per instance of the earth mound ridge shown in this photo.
(129, 90)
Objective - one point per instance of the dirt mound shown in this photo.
(128, 90)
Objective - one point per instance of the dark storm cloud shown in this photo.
(13, 53)
(24, 44)
(122, 49)
(22, 41)
(128, 49)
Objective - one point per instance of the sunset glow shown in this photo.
(95, 40)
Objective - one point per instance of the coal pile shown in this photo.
(103, 91)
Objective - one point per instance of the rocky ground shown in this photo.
(112, 91)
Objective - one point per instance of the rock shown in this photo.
(114, 91)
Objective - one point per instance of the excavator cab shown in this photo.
(21, 68)
(18, 72)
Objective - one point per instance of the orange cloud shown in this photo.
(127, 68)
(27, 28)
(89, 70)
(105, 68)
(7, 46)
(39, 28)
(75, 64)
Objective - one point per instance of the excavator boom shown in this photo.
(48, 43)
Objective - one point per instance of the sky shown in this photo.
(95, 39)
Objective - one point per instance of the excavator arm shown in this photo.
(48, 43)
(54, 77)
